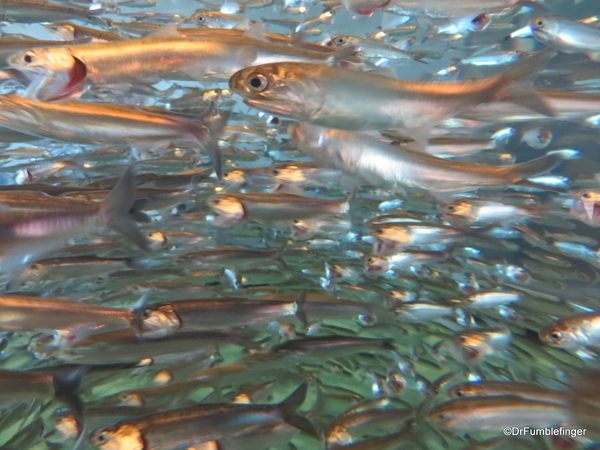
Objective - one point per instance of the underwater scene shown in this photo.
(300, 225)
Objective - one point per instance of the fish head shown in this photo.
(564, 334)
(459, 212)
(55, 74)
(341, 41)
(62, 30)
(161, 321)
(119, 437)
(230, 210)
(537, 138)
(204, 19)
(288, 89)
(544, 28)
(375, 266)
(156, 240)
(586, 206)
(302, 229)
(464, 390)
(444, 416)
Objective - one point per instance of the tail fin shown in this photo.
(538, 166)
(66, 387)
(209, 139)
(513, 87)
(300, 313)
(116, 208)
(291, 417)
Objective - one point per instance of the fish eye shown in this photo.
(369, 260)
(28, 58)
(340, 40)
(443, 416)
(201, 19)
(450, 208)
(586, 195)
(540, 23)
(257, 82)
(101, 437)
(276, 172)
(216, 201)
(556, 336)
(460, 393)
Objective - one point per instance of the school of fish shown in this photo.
(299, 225)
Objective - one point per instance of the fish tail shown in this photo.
(538, 166)
(116, 208)
(209, 139)
(300, 313)
(293, 418)
(279, 256)
(66, 390)
(513, 86)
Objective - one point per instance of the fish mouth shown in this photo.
(269, 105)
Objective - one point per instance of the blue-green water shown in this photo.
(377, 303)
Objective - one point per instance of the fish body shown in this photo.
(450, 8)
(345, 99)
(527, 391)
(382, 164)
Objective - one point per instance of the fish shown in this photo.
(493, 414)
(184, 427)
(34, 224)
(234, 208)
(382, 164)
(566, 35)
(33, 11)
(63, 73)
(572, 332)
(326, 95)
(527, 391)
(586, 206)
(110, 123)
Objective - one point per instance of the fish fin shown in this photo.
(342, 54)
(166, 31)
(540, 165)
(279, 256)
(139, 310)
(300, 313)
(245, 25)
(420, 135)
(116, 208)
(512, 84)
(66, 389)
(256, 31)
(208, 136)
(291, 417)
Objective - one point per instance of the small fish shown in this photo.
(378, 265)
(480, 212)
(528, 391)
(234, 208)
(573, 332)
(35, 11)
(181, 428)
(494, 414)
(566, 36)
(490, 299)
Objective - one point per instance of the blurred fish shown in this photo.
(586, 206)
(33, 11)
(35, 224)
(566, 36)
(577, 331)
